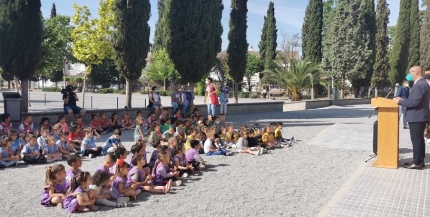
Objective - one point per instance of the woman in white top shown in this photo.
(155, 101)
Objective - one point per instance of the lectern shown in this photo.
(388, 133)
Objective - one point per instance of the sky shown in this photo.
(289, 15)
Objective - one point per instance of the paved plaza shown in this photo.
(323, 174)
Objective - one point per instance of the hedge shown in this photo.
(51, 89)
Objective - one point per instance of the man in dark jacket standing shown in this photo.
(417, 114)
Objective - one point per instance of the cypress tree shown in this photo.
(381, 66)
(368, 15)
(21, 55)
(192, 38)
(268, 40)
(349, 42)
(400, 51)
(414, 46)
(238, 46)
(425, 38)
(53, 11)
(131, 40)
(159, 35)
(312, 31)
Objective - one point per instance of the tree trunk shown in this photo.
(24, 94)
(84, 86)
(343, 87)
(236, 84)
(312, 93)
(128, 92)
(328, 91)
(165, 83)
(8, 84)
(29, 87)
(376, 91)
(249, 84)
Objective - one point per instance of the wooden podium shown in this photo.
(388, 133)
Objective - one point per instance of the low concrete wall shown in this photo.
(240, 108)
(303, 105)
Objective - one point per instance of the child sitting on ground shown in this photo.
(75, 162)
(7, 158)
(104, 123)
(180, 161)
(165, 125)
(154, 155)
(114, 122)
(126, 121)
(108, 163)
(140, 149)
(81, 197)
(44, 122)
(79, 121)
(180, 132)
(193, 156)
(100, 181)
(88, 146)
(191, 137)
(162, 174)
(178, 114)
(31, 152)
(210, 149)
(51, 150)
(155, 135)
(75, 136)
(149, 121)
(138, 176)
(64, 148)
(95, 124)
(16, 144)
(62, 123)
(242, 145)
(26, 126)
(120, 188)
(268, 138)
(280, 138)
(168, 134)
(164, 115)
(138, 131)
(6, 124)
(113, 142)
(55, 190)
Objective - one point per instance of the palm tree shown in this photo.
(295, 76)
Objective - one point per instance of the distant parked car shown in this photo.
(275, 89)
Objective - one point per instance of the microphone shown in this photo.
(391, 89)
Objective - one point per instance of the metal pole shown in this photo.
(91, 101)
(116, 102)
(145, 102)
(45, 98)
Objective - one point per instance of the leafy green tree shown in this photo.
(425, 39)
(192, 37)
(415, 25)
(400, 51)
(328, 13)
(159, 34)
(312, 31)
(162, 68)
(56, 47)
(381, 66)
(20, 40)
(92, 37)
(53, 11)
(105, 73)
(253, 66)
(237, 46)
(349, 42)
(268, 42)
(131, 40)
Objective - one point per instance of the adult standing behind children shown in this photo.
(417, 114)
(70, 98)
(403, 93)
(211, 97)
(223, 98)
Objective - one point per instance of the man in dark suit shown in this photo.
(417, 114)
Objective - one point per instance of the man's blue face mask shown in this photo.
(409, 77)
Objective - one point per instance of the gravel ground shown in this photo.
(295, 181)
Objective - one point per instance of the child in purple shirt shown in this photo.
(193, 156)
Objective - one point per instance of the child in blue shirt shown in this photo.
(88, 145)
(113, 142)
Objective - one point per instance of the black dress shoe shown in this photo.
(415, 167)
